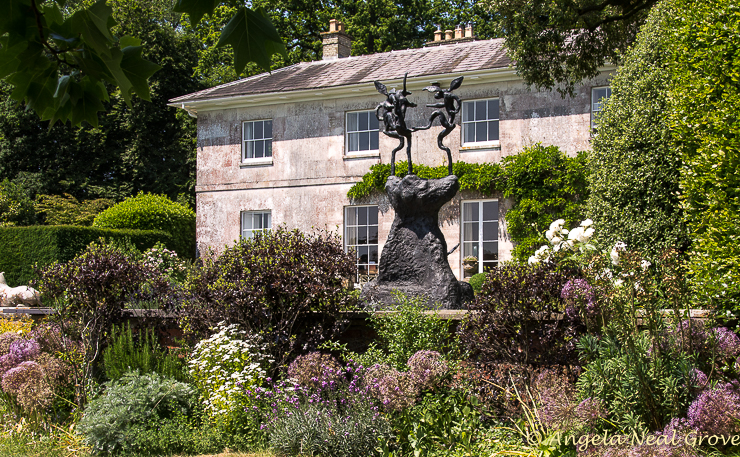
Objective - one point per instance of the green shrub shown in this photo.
(286, 286)
(113, 420)
(67, 210)
(22, 247)
(126, 353)
(16, 207)
(153, 212)
(402, 330)
(705, 101)
(546, 185)
(634, 166)
(476, 281)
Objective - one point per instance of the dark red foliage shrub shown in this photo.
(518, 318)
(284, 285)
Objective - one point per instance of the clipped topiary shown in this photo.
(153, 212)
(634, 166)
(476, 281)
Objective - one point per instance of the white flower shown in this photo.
(557, 225)
(555, 241)
(549, 234)
(618, 283)
(588, 233)
(533, 260)
(587, 223)
(576, 234)
(645, 265)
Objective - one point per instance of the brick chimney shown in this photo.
(337, 44)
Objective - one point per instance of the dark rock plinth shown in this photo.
(414, 258)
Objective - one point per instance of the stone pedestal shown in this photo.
(414, 258)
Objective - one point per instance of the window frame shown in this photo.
(347, 132)
(480, 233)
(592, 124)
(347, 246)
(262, 213)
(463, 122)
(265, 158)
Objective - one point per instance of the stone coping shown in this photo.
(445, 314)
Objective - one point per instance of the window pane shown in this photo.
(352, 122)
(246, 221)
(374, 140)
(492, 109)
(490, 211)
(372, 215)
(373, 254)
(248, 130)
(467, 249)
(268, 148)
(362, 254)
(469, 133)
(351, 236)
(373, 121)
(492, 130)
(470, 231)
(268, 129)
(488, 266)
(258, 130)
(481, 131)
(490, 231)
(361, 235)
(480, 110)
(364, 141)
(352, 217)
(470, 210)
(362, 121)
(259, 148)
(354, 142)
(362, 269)
(362, 213)
(468, 110)
(490, 251)
(268, 221)
(256, 221)
(372, 235)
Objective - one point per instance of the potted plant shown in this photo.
(470, 263)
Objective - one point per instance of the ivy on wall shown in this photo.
(544, 183)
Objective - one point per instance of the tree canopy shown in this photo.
(558, 43)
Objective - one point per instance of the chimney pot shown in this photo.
(438, 35)
(459, 32)
(448, 34)
(469, 31)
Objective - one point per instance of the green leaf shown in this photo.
(126, 41)
(93, 24)
(52, 14)
(253, 38)
(138, 70)
(88, 101)
(196, 9)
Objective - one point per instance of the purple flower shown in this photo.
(25, 349)
(578, 294)
(716, 411)
(726, 342)
(427, 367)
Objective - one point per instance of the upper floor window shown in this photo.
(257, 138)
(362, 132)
(361, 236)
(255, 221)
(599, 96)
(480, 121)
(479, 236)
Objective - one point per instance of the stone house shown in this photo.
(285, 147)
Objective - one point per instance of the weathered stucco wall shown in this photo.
(306, 183)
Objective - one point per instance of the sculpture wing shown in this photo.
(456, 83)
(381, 88)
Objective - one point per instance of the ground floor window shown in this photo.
(361, 236)
(479, 236)
(255, 221)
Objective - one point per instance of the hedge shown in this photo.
(22, 247)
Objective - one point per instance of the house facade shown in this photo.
(285, 147)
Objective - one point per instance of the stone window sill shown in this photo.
(363, 155)
(481, 147)
(256, 162)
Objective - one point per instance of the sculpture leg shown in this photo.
(393, 156)
(441, 146)
(408, 155)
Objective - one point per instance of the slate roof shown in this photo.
(438, 60)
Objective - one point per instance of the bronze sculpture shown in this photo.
(394, 116)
